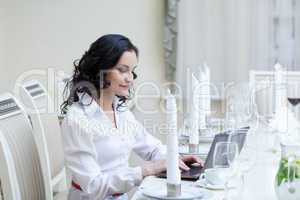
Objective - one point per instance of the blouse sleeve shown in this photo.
(81, 160)
(147, 146)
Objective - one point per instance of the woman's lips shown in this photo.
(124, 86)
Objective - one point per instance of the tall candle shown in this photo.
(281, 110)
(195, 112)
(173, 172)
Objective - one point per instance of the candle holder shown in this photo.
(194, 148)
(173, 190)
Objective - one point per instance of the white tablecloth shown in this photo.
(259, 181)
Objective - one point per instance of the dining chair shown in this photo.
(47, 130)
(21, 171)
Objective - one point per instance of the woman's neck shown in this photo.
(106, 101)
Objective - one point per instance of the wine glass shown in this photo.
(246, 161)
(294, 102)
(225, 154)
(239, 101)
(266, 109)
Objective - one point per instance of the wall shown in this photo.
(38, 35)
(1, 39)
(41, 34)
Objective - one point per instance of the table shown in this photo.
(259, 182)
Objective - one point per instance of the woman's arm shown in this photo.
(145, 145)
(150, 148)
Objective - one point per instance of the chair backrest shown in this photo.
(19, 152)
(9, 188)
(263, 81)
(45, 127)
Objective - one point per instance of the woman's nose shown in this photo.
(129, 78)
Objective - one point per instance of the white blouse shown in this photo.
(97, 153)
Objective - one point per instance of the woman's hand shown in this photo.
(155, 167)
(187, 160)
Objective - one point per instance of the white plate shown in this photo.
(187, 192)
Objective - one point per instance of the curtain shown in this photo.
(231, 37)
(170, 41)
(234, 36)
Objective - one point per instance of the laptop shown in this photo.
(238, 136)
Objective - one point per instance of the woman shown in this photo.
(99, 132)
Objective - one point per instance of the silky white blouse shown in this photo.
(97, 153)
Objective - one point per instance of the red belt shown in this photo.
(77, 186)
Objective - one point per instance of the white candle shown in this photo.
(280, 121)
(195, 112)
(173, 172)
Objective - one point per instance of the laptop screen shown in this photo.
(237, 136)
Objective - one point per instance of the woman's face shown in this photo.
(121, 76)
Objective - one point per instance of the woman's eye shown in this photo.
(122, 70)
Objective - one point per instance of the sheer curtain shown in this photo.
(234, 36)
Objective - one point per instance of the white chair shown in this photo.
(47, 131)
(263, 83)
(20, 169)
(9, 188)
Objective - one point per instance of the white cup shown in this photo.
(215, 176)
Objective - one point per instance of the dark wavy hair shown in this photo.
(90, 71)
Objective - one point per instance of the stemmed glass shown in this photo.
(265, 113)
(240, 103)
(294, 104)
(246, 161)
(224, 157)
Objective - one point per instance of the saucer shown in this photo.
(204, 184)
